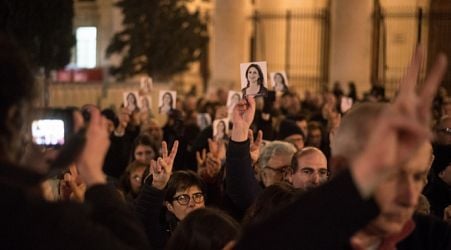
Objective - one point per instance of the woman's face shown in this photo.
(144, 153)
(252, 74)
(195, 199)
(221, 127)
(167, 99)
(135, 179)
(131, 99)
(278, 79)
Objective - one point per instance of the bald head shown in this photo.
(309, 168)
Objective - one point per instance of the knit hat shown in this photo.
(442, 158)
(287, 128)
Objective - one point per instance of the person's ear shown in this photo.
(169, 207)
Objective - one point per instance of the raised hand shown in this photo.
(92, 157)
(242, 117)
(209, 164)
(161, 169)
(124, 119)
(201, 158)
(74, 190)
(255, 145)
(401, 128)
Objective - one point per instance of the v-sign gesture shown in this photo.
(161, 169)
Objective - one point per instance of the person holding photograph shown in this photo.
(255, 81)
(166, 103)
(279, 83)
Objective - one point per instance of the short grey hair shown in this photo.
(355, 129)
(275, 148)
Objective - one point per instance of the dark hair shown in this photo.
(204, 228)
(167, 94)
(260, 74)
(283, 80)
(17, 89)
(182, 180)
(271, 200)
(110, 115)
(134, 98)
(124, 181)
(225, 126)
(146, 140)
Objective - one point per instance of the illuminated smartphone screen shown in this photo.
(48, 132)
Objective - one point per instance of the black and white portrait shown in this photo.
(253, 79)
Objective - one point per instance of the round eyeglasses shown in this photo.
(184, 199)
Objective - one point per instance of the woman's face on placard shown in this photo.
(131, 100)
(167, 98)
(252, 74)
(235, 99)
(278, 79)
(221, 127)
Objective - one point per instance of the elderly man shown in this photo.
(308, 168)
(274, 162)
(397, 196)
(272, 166)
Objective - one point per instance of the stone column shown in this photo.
(350, 45)
(230, 42)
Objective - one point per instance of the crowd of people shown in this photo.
(291, 173)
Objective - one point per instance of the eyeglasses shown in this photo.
(279, 170)
(184, 199)
(310, 171)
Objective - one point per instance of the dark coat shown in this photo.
(30, 222)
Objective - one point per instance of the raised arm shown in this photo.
(241, 185)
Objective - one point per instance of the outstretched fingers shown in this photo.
(409, 81)
(174, 150)
(164, 149)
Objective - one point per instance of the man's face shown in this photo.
(297, 140)
(311, 172)
(275, 170)
(398, 196)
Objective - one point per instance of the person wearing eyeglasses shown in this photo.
(172, 194)
(308, 168)
(274, 162)
(131, 180)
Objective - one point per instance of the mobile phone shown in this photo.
(51, 128)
